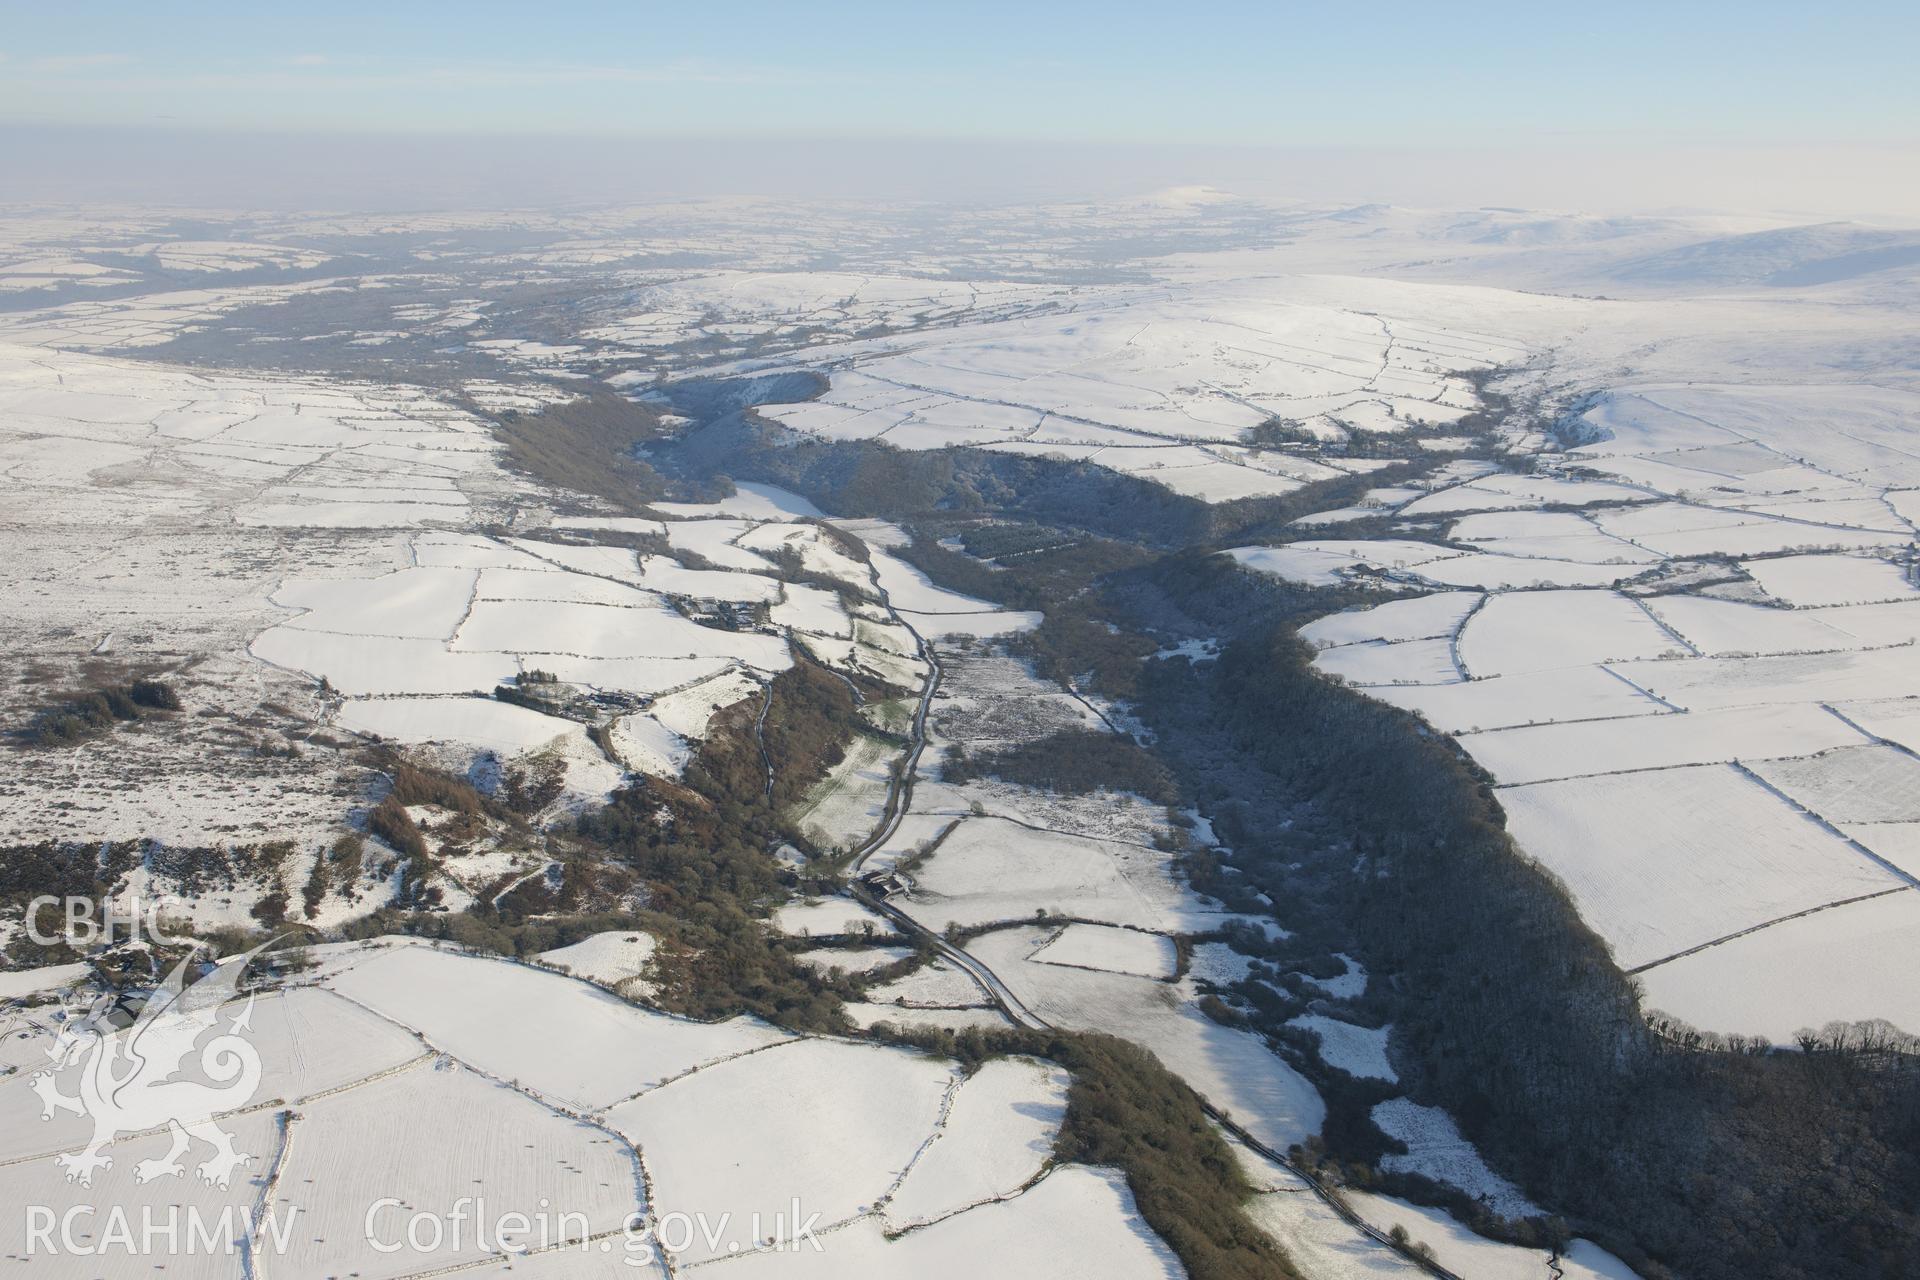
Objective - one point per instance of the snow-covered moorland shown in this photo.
(1646, 522)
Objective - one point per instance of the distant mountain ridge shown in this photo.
(1791, 257)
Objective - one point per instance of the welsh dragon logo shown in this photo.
(135, 1080)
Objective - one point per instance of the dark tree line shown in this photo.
(1697, 1159)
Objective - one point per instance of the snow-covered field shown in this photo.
(1436, 1150)
(1155, 386)
(1092, 946)
(1466, 1254)
(829, 917)
(846, 805)
(406, 1041)
(1691, 681)
(1358, 1051)
(612, 959)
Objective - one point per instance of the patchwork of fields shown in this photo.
(1165, 388)
(1689, 664)
(1647, 554)
(583, 1116)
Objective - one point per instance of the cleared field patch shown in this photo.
(1661, 861)
(1217, 964)
(1328, 563)
(644, 745)
(934, 985)
(475, 722)
(423, 603)
(361, 666)
(853, 959)
(1682, 529)
(816, 552)
(669, 577)
(1460, 1251)
(1897, 842)
(617, 563)
(713, 541)
(1705, 684)
(1728, 627)
(909, 588)
(687, 712)
(1519, 632)
(1490, 572)
(631, 675)
(1504, 492)
(467, 1136)
(1806, 581)
(44, 1183)
(1421, 618)
(1000, 622)
(607, 631)
(868, 1014)
(1894, 719)
(549, 583)
(1553, 535)
(1850, 963)
(309, 1041)
(1319, 1242)
(1358, 1051)
(570, 1041)
(1095, 946)
(1875, 783)
(1537, 753)
(749, 501)
(444, 549)
(1895, 622)
(1075, 1224)
(990, 870)
(998, 1134)
(829, 918)
(1538, 697)
(844, 807)
(617, 956)
(1436, 1149)
(832, 1124)
(814, 609)
(1404, 662)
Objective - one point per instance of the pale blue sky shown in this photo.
(1263, 74)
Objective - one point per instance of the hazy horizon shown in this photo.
(1766, 107)
(277, 170)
